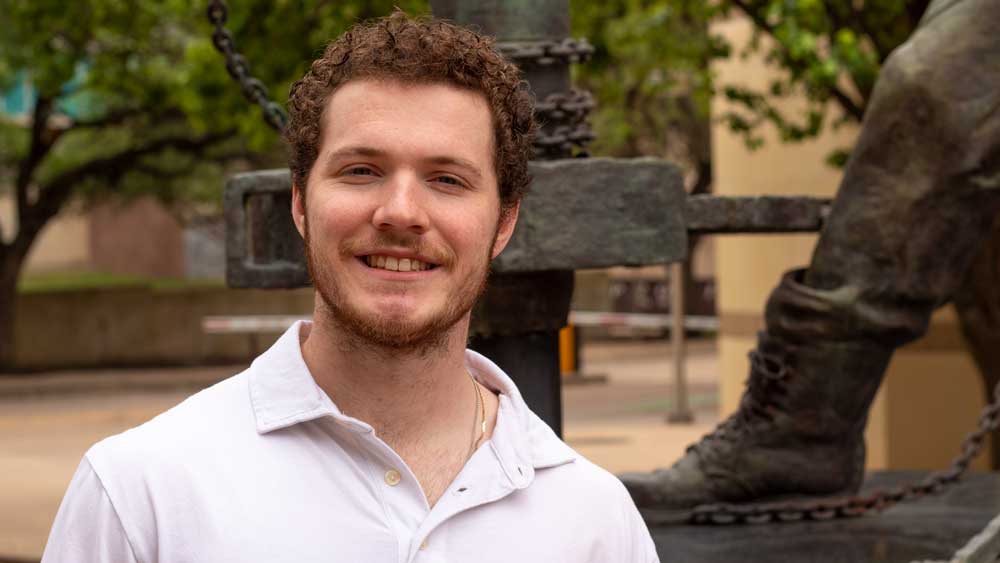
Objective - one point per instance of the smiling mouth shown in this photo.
(394, 264)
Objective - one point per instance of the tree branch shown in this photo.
(859, 20)
(54, 194)
(161, 173)
(39, 146)
(846, 103)
(120, 115)
(116, 117)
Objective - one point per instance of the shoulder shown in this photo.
(179, 433)
(595, 504)
(603, 489)
(151, 473)
(567, 472)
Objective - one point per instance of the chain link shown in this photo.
(544, 53)
(570, 109)
(858, 505)
(237, 66)
(563, 120)
(560, 140)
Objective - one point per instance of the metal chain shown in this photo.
(567, 112)
(253, 89)
(563, 117)
(858, 505)
(562, 139)
(570, 109)
(544, 53)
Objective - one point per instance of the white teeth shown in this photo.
(396, 264)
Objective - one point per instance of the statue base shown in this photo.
(935, 527)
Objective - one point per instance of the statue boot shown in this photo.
(918, 197)
(800, 423)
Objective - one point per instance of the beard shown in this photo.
(394, 334)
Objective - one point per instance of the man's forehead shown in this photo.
(447, 122)
(360, 91)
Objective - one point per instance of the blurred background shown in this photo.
(119, 125)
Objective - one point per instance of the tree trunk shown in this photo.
(10, 267)
(978, 306)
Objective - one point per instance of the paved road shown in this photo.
(48, 422)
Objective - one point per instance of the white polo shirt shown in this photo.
(264, 467)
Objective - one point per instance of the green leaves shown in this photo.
(828, 53)
(650, 75)
(125, 73)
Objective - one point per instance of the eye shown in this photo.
(359, 171)
(450, 180)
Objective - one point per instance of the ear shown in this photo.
(299, 210)
(505, 229)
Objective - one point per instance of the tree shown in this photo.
(829, 53)
(132, 98)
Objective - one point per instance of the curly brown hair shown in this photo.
(418, 51)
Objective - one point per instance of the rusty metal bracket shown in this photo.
(263, 248)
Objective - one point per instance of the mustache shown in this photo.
(414, 244)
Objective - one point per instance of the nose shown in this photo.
(401, 206)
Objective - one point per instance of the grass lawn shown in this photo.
(70, 281)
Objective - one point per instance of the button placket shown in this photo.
(402, 513)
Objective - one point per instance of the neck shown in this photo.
(405, 395)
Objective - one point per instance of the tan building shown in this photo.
(138, 238)
(932, 393)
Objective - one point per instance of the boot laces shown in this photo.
(769, 374)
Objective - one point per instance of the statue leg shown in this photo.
(977, 303)
(918, 196)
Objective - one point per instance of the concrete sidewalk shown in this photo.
(47, 422)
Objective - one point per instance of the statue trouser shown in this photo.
(917, 199)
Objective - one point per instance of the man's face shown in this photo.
(401, 216)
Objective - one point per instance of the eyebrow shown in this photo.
(371, 152)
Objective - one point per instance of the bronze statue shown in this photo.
(918, 197)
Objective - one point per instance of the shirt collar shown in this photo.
(283, 393)
(522, 441)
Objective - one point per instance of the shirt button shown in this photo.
(423, 544)
(392, 477)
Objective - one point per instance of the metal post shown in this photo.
(517, 322)
(681, 412)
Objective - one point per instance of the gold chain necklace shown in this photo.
(480, 415)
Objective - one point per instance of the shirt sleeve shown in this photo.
(87, 528)
(638, 541)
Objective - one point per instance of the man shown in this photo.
(370, 434)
